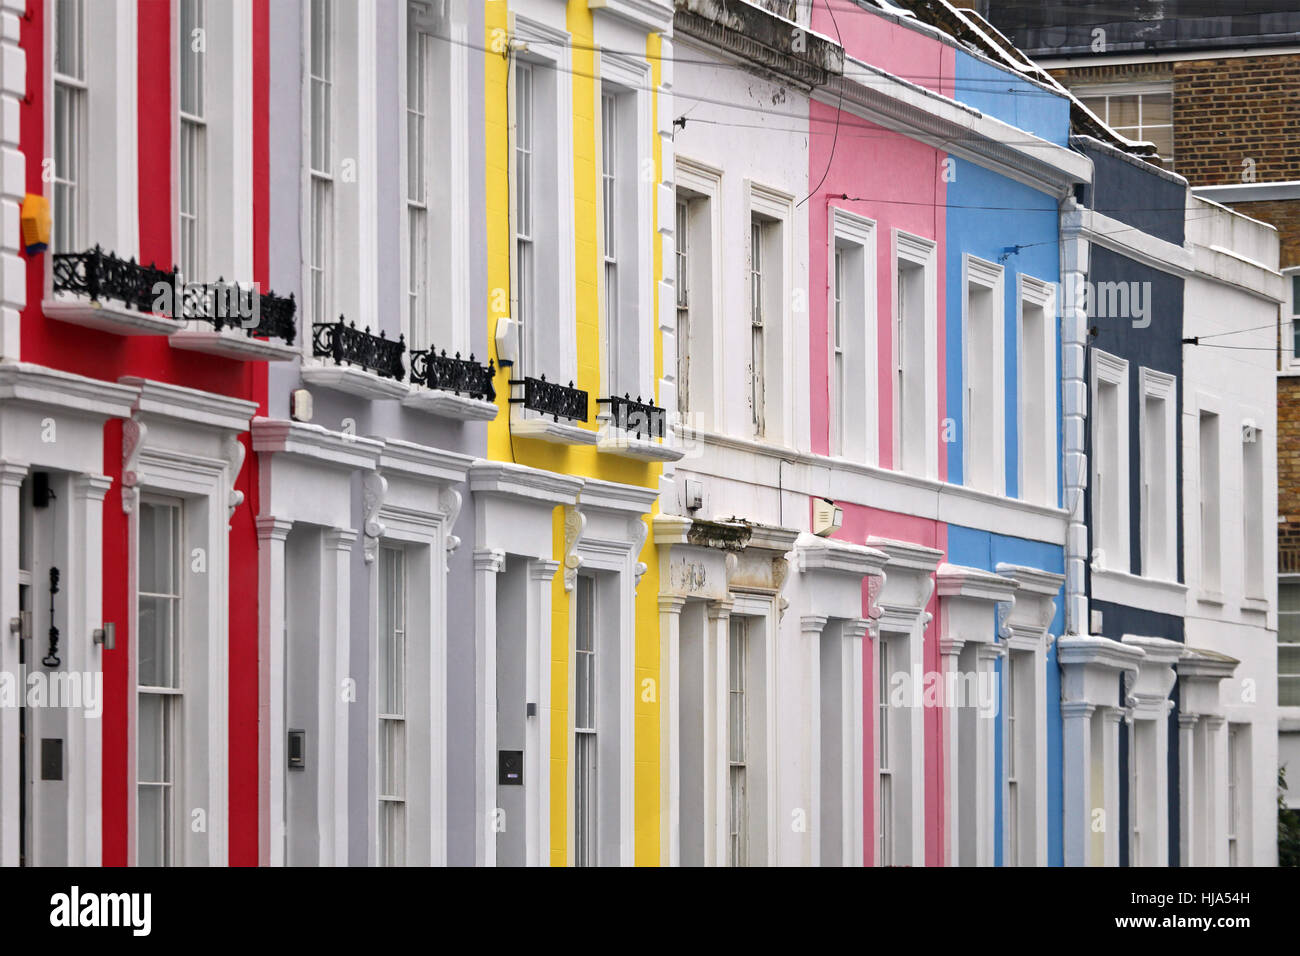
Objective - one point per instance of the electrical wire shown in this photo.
(839, 110)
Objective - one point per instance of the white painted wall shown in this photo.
(1242, 383)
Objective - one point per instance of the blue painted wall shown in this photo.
(1011, 98)
(1002, 221)
(1006, 222)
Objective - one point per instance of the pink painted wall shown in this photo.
(896, 182)
(860, 523)
(873, 38)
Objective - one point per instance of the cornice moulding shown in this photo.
(189, 404)
(397, 457)
(519, 481)
(615, 496)
(37, 385)
(281, 436)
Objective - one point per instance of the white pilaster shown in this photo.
(271, 535)
(488, 563)
(11, 479)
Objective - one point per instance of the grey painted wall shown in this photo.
(384, 419)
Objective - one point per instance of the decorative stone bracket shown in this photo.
(373, 489)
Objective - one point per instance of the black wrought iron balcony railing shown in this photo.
(102, 275)
(278, 318)
(552, 399)
(642, 419)
(453, 374)
(348, 345)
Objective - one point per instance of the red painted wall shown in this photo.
(106, 356)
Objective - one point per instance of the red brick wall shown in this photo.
(1288, 475)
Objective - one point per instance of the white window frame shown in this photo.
(1255, 498)
(884, 747)
(988, 277)
(701, 186)
(192, 207)
(918, 252)
(74, 88)
(171, 693)
(110, 123)
(1111, 371)
(168, 453)
(586, 740)
(628, 352)
(682, 246)
(549, 51)
(1159, 524)
(1209, 581)
(393, 762)
(760, 693)
(1290, 318)
(1037, 384)
(224, 227)
(854, 427)
(319, 304)
(773, 211)
(608, 549)
(1287, 581)
(418, 508)
(1090, 91)
(446, 321)
(738, 720)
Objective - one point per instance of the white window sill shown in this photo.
(1133, 590)
(233, 344)
(619, 441)
(434, 401)
(354, 381)
(108, 316)
(548, 429)
(1210, 597)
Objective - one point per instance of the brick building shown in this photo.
(1217, 95)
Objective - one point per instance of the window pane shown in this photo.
(1288, 691)
(320, 34)
(68, 58)
(149, 824)
(151, 740)
(157, 536)
(1157, 109)
(1097, 104)
(392, 756)
(156, 634)
(1288, 597)
(191, 59)
(1162, 137)
(1124, 111)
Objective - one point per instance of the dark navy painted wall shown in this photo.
(1136, 194)
(1152, 203)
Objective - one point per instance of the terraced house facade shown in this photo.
(614, 432)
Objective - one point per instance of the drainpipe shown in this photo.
(1074, 410)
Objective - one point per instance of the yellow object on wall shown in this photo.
(36, 223)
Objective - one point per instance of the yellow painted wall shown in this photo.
(583, 461)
